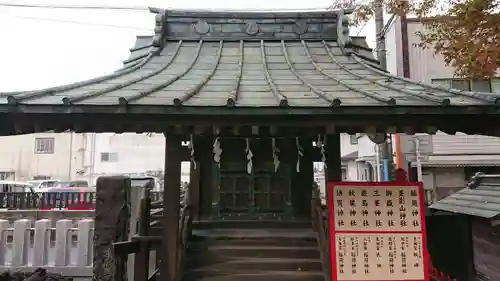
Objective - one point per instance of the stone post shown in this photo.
(112, 224)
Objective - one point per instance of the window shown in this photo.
(468, 85)
(7, 175)
(44, 145)
(354, 139)
(109, 157)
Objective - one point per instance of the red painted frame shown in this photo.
(395, 184)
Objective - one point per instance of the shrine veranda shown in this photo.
(377, 231)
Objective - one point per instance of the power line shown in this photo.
(144, 8)
(84, 23)
(361, 29)
(81, 7)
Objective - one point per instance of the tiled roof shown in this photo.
(192, 61)
(481, 198)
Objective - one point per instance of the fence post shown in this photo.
(4, 224)
(112, 219)
(41, 245)
(136, 193)
(63, 242)
(85, 245)
(21, 242)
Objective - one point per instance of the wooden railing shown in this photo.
(320, 226)
(149, 238)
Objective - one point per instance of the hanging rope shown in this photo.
(320, 143)
(191, 150)
(299, 153)
(217, 150)
(276, 159)
(249, 156)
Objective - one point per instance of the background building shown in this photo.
(448, 161)
(72, 156)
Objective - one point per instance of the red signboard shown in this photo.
(377, 231)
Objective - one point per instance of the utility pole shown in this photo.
(385, 147)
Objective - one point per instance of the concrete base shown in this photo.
(53, 215)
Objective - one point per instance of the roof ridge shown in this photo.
(483, 96)
(150, 74)
(373, 95)
(314, 89)
(423, 96)
(155, 49)
(165, 84)
(17, 96)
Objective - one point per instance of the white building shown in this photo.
(449, 160)
(68, 156)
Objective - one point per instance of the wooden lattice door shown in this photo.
(261, 194)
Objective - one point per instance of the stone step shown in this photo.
(248, 265)
(255, 224)
(253, 233)
(214, 252)
(205, 241)
(257, 276)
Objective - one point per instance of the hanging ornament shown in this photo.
(321, 145)
(191, 150)
(276, 160)
(217, 150)
(299, 153)
(249, 155)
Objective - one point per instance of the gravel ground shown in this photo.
(39, 274)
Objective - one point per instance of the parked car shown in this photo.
(16, 195)
(40, 185)
(66, 184)
(68, 198)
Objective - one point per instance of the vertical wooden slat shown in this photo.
(141, 259)
(194, 189)
(171, 207)
(333, 156)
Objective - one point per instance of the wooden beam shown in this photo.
(333, 158)
(171, 207)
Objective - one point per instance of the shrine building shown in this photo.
(251, 92)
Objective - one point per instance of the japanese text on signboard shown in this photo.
(378, 232)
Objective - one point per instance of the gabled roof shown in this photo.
(211, 59)
(481, 198)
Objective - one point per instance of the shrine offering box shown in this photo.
(377, 231)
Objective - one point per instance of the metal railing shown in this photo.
(54, 200)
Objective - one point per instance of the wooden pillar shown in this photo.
(333, 159)
(112, 218)
(171, 207)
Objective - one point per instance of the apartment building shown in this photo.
(448, 161)
(70, 156)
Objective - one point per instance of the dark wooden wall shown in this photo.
(234, 150)
(486, 244)
(449, 242)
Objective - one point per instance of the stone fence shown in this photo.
(66, 249)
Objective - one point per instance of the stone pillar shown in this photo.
(112, 224)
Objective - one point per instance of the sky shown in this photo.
(41, 48)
